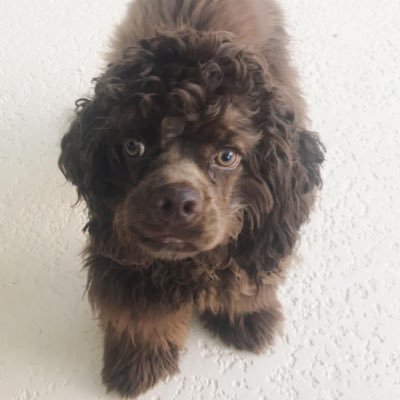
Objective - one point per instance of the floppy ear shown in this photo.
(69, 160)
(76, 155)
(285, 169)
(85, 158)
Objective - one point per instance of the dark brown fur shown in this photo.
(218, 75)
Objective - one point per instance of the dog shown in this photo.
(195, 163)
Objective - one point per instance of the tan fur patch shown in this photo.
(152, 327)
(241, 295)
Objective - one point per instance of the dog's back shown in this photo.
(252, 21)
(256, 23)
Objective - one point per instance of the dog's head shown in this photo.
(187, 145)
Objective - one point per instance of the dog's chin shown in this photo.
(171, 255)
(170, 248)
(170, 251)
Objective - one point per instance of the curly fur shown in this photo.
(216, 72)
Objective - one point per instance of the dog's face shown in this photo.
(183, 195)
(180, 144)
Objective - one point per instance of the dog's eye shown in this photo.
(134, 148)
(227, 158)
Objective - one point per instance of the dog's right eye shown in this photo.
(134, 148)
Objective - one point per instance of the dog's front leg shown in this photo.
(243, 314)
(141, 348)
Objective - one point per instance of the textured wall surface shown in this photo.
(342, 300)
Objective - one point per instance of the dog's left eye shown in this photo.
(227, 158)
(134, 148)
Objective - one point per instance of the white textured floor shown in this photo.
(342, 302)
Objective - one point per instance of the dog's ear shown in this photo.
(284, 171)
(84, 160)
(69, 161)
(76, 158)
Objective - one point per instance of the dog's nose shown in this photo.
(175, 204)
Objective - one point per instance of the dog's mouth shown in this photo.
(167, 244)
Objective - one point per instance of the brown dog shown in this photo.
(197, 171)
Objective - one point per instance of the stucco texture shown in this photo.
(341, 300)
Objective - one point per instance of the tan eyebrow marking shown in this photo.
(171, 127)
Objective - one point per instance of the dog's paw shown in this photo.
(131, 371)
(252, 332)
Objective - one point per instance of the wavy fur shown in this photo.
(213, 67)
